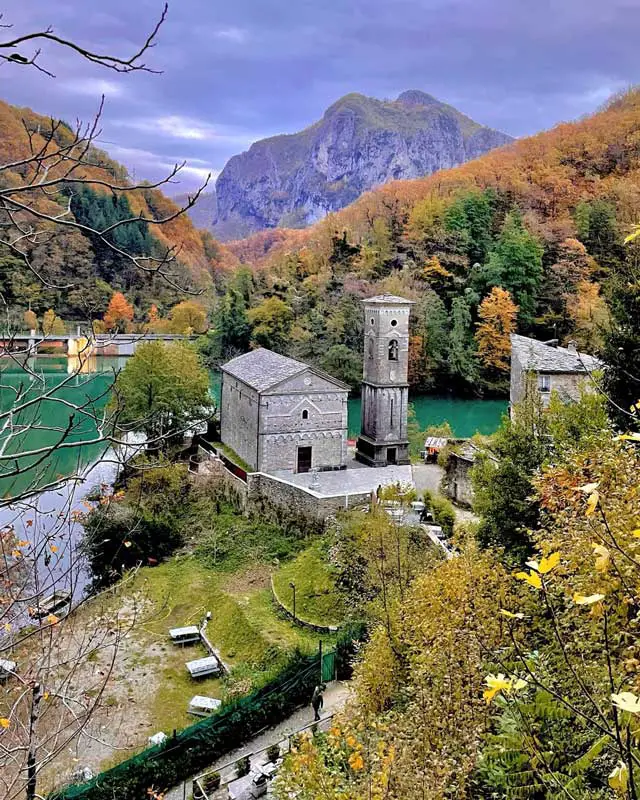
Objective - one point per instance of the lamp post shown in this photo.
(293, 586)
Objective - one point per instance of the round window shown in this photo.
(373, 322)
(394, 322)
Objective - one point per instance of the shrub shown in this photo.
(273, 753)
(444, 515)
(243, 766)
(212, 782)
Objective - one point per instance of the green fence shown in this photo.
(198, 746)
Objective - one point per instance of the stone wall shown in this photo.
(261, 488)
(239, 418)
(457, 480)
(286, 495)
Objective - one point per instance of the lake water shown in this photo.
(91, 388)
(47, 516)
(465, 416)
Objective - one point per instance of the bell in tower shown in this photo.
(385, 391)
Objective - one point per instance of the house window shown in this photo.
(544, 383)
(305, 414)
(393, 350)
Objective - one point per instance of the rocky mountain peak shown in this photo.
(415, 97)
(360, 142)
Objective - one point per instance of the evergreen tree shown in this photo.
(515, 264)
(461, 345)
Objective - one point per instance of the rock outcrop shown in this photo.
(295, 180)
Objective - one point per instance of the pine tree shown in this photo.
(461, 349)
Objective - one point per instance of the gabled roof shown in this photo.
(541, 357)
(263, 369)
(388, 298)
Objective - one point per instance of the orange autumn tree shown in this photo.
(497, 314)
(589, 315)
(119, 314)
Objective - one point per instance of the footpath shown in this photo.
(335, 697)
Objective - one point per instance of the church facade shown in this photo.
(280, 415)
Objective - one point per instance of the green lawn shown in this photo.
(317, 600)
(245, 628)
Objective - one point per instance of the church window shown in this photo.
(305, 414)
(370, 348)
(393, 350)
(373, 321)
(394, 322)
(391, 414)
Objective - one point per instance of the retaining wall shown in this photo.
(301, 623)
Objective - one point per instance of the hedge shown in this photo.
(195, 748)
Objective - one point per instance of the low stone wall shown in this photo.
(301, 623)
(278, 492)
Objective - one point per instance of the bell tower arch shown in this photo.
(385, 390)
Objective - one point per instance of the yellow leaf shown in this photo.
(587, 600)
(7, 626)
(54, 548)
(532, 578)
(4, 722)
(356, 761)
(548, 563)
(619, 778)
(629, 437)
(16, 554)
(511, 615)
(626, 701)
(636, 533)
(45, 696)
(588, 488)
(52, 619)
(23, 543)
(602, 557)
(592, 503)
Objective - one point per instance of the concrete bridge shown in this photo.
(73, 344)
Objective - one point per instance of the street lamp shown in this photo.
(293, 586)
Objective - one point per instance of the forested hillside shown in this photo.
(543, 219)
(89, 271)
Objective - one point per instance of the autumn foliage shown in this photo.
(119, 314)
(497, 314)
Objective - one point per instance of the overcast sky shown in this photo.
(236, 71)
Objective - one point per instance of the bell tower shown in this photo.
(385, 391)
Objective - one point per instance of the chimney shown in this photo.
(571, 347)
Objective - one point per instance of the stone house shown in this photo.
(280, 415)
(457, 483)
(548, 368)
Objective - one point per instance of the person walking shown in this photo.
(317, 701)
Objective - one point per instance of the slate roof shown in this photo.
(263, 369)
(541, 357)
(388, 298)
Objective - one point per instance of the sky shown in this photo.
(234, 72)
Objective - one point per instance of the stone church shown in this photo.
(280, 415)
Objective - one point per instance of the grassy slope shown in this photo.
(316, 598)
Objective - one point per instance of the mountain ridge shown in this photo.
(295, 179)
